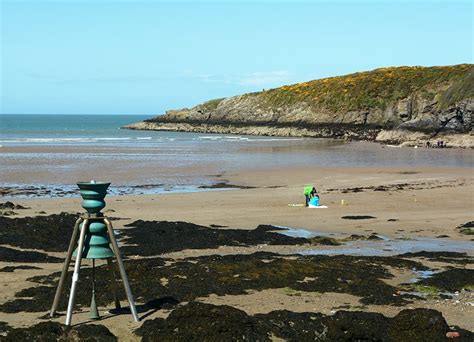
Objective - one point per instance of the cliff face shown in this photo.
(430, 100)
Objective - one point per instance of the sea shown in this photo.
(45, 155)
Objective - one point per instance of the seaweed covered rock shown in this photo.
(418, 325)
(342, 326)
(191, 278)
(4, 327)
(466, 228)
(53, 331)
(50, 233)
(450, 280)
(449, 257)
(14, 255)
(11, 206)
(357, 217)
(11, 269)
(149, 238)
(203, 322)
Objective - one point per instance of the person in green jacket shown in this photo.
(309, 192)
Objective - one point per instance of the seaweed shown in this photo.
(50, 233)
(11, 206)
(14, 255)
(226, 185)
(448, 257)
(466, 228)
(149, 238)
(53, 331)
(357, 217)
(203, 322)
(451, 280)
(21, 267)
(324, 240)
(207, 322)
(191, 278)
(4, 327)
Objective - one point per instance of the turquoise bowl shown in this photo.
(93, 195)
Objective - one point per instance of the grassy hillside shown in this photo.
(372, 89)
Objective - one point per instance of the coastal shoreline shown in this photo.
(399, 137)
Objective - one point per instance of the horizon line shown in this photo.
(75, 114)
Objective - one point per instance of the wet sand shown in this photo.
(405, 203)
(432, 201)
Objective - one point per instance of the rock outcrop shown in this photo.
(413, 104)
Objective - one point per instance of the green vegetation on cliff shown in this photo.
(375, 89)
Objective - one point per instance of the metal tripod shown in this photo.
(84, 223)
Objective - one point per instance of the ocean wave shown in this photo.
(210, 137)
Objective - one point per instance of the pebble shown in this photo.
(452, 334)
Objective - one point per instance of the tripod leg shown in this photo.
(67, 261)
(123, 274)
(77, 267)
(114, 283)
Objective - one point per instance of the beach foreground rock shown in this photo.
(205, 322)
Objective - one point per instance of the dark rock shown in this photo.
(374, 237)
(469, 224)
(466, 228)
(4, 327)
(11, 206)
(354, 237)
(418, 325)
(225, 185)
(8, 213)
(324, 240)
(21, 267)
(357, 217)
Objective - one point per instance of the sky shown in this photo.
(146, 57)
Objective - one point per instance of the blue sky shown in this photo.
(146, 57)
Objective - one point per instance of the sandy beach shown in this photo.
(402, 204)
(431, 200)
(157, 159)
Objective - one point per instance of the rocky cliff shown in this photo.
(388, 104)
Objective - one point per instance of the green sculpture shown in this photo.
(96, 241)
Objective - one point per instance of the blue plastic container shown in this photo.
(314, 201)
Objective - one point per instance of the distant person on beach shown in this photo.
(309, 193)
